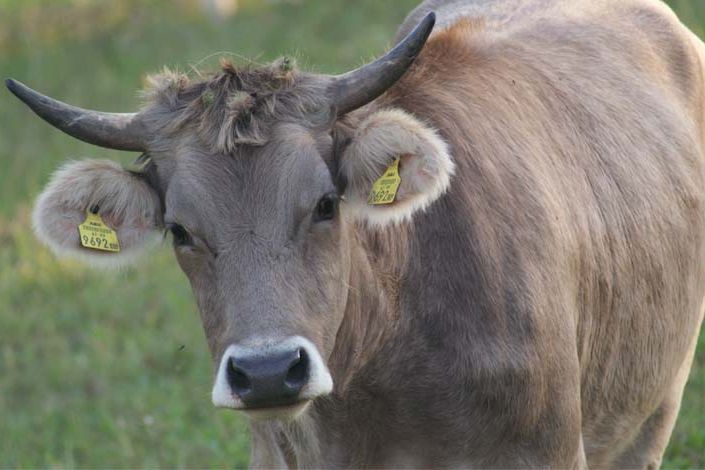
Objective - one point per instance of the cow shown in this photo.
(485, 248)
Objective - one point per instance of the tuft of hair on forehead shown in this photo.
(235, 106)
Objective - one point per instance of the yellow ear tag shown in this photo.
(94, 234)
(384, 190)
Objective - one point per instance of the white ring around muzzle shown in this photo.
(319, 383)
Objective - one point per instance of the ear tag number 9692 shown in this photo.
(384, 190)
(95, 235)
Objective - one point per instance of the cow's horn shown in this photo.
(357, 88)
(120, 131)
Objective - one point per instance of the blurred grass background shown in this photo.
(111, 369)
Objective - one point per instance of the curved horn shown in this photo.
(357, 88)
(120, 131)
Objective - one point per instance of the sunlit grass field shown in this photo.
(111, 369)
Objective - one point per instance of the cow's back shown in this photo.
(577, 131)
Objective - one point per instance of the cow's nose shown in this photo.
(271, 376)
(274, 379)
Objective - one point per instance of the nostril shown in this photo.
(297, 375)
(237, 379)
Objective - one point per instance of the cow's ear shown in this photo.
(424, 166)
(123, 201)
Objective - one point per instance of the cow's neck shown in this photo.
(372, 311)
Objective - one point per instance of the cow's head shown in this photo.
(260, 184)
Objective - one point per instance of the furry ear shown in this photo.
(125, 202)
(425, 166)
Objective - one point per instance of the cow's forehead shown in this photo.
(262, 187)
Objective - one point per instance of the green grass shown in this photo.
(111, 369)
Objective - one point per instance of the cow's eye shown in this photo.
(327, 207)
(180, 235)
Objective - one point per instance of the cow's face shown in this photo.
(262, 190)
(260, 235)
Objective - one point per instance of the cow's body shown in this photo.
(545, 310)
(542, 311)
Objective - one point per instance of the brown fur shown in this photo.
(579, 195)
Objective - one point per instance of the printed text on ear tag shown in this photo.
(384, 190)
(94, 234)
